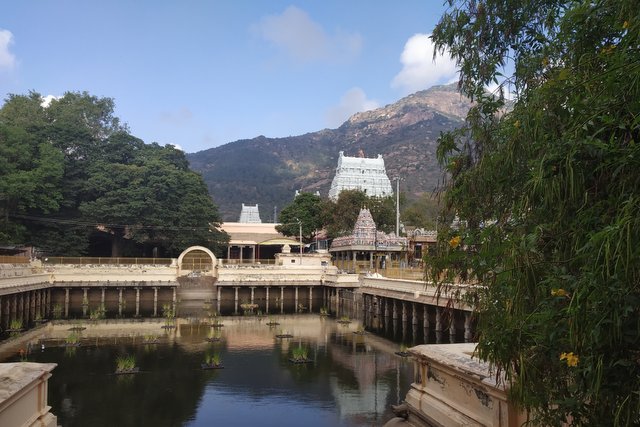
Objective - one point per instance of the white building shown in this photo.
(361, 173)
(250, 215)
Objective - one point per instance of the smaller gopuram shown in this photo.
(361, 173)
(250, 215)
(367, 248)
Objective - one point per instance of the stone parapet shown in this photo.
(14, 270)
(113, 273)
(23, 394)
(452, 388)
(415, 291)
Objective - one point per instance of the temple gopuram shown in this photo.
(361, 173)
(368, 249)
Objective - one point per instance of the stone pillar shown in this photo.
(120, 301)
(439, 319)
(452, 323)
(296, 299)
(66, 302)
(235, 300)
(281, 299)
(266, 309)
(137, 302)
(310, 299)
(1, 312)
(386, 307)
(404, 311)
(155, 301)
(102, 298)
(174, 301)
(33, 297)
(219, 301)
(414, 317)
(85, 302)
(43, 306)
(253, 288)
(354, 262)
(395, 309)
(468, 333)
(21, 307)
(48, 302)
(425, 320)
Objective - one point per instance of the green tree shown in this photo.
(30, 180)
(340, 216)
(71, 173)
(422, 212)
(306, 210)
(549, 198)
(147, 194)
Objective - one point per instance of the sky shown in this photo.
(199, 74)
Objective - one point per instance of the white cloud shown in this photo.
(177, 146)
(353, 101)
(303, 39)
(7, 59)
(46, 100)
(419, 69)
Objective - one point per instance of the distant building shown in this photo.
(250, 215)
(361, 173)
(421, 242)
(367, 248)
(252, 242)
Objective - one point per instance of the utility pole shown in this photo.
(397, 206)
(300, 226)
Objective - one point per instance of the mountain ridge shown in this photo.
(267, 171)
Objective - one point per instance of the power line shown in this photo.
(81, 223)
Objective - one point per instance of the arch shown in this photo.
(197, 248)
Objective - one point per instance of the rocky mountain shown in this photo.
(267, 171)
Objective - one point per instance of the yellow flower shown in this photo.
(559, 293)
(517, 124)
(625, 25)
(455, 242)
(608, 48)
(572, 359)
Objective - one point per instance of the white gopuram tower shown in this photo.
(361, 173)
(250, 215)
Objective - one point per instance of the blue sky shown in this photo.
(199, 74)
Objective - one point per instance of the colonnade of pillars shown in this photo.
(31, 306)
(444, 320)
(279, 299)
(122, 303)
(26, 307)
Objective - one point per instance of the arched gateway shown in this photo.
(197, 260)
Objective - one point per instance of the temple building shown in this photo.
(361, 173)
(253, 242)
(250, 215)
(368, 249)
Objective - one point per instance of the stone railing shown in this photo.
(452, 388)
(419, 290)
(111, 273)
(23, 397)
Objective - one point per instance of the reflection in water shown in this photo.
(352, 380)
